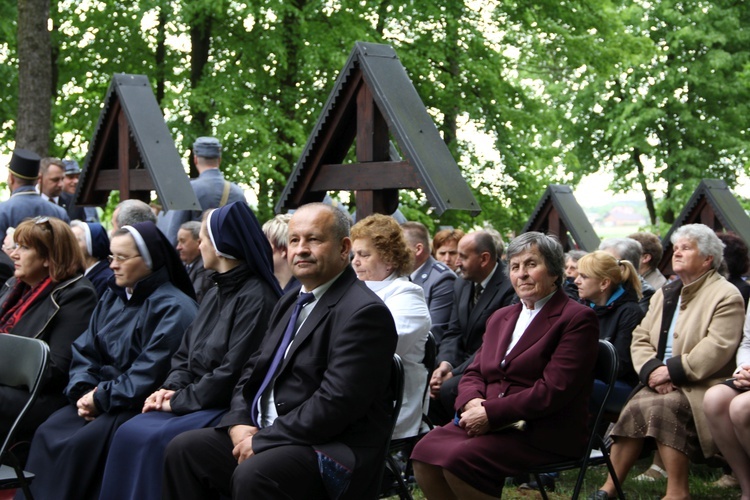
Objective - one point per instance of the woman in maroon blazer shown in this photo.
(536, 364)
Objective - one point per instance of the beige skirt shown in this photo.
(667, 418)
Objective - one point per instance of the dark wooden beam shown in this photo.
(109, 180)
(331, 134)
(366, 176)
(373, 145)
(123, 154)
(97, 160)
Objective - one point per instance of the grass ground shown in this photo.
(701, 478)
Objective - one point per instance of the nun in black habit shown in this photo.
(117, 362)
(232, 320)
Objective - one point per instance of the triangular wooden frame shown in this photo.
(133, 151)
(559, 213)
(714, 205)
(373, 100)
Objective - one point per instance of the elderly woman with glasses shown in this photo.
(684, 345)
(48, 299)
(117, 362)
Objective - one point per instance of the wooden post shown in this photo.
(123, 154)
(372, 146)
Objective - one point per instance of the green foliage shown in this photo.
(525, 93)
(679, 105)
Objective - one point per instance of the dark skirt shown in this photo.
(67, 454)
(667, 418)
(136, 457)
(481, 461)
(730, 383)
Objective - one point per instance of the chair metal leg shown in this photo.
(615, 479)
(403, 488)
(541, 486)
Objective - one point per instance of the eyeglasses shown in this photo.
(120, 258)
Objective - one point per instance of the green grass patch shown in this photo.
(701, 477)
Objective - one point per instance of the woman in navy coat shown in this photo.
(232, 320)
(117, 362)
(536, 364)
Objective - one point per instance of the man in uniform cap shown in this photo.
(70, 183)
(210, 187)
(72, 173)
(25, 202)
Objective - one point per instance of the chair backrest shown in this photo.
(396, 388)
(22, 364)
(430, 354)
(606, 370)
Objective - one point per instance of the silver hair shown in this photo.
(194, 227)
(134, 211)
(709, 245)
(549, 247)
(626, 248)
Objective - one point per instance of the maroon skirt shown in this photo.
(482, 461)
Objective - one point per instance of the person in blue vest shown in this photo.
(211, 189)
(25, 202)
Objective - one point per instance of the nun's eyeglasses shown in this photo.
(120, 258)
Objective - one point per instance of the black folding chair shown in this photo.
(606, 370)
(397, 390)
(405, 445)
(22, 364)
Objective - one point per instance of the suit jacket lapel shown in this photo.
(463, 297)
(487, 295)
(320, 312)
(270, 344)
(506, 330)
(541, 324)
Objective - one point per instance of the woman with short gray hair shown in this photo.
(704, 238)
(548, 246)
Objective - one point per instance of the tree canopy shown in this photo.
(524, 93)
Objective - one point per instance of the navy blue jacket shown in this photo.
(126, 351)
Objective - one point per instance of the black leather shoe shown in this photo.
(599, 495)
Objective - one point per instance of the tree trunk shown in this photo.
(161, 53)
(450, 113)
(200, 46)
(33, 123)
(644, 186)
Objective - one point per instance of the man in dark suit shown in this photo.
(316, 427)
(51, 183)
(435, 278)
(483, 290)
